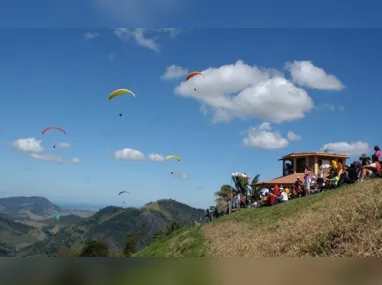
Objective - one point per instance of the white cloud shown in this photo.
(139, 35)
(111, 56)
(173, 72)
(62, 145)
(262, 136)
(353, 148)
(183, 175)
(129, 154)
(293, 137)
(341, 108)
(145, 37)
(155, 157)
(90, 36)
(47, 157)
(76, 160)
(242, 91)
(306, 74)
(173, 31)
(28, 145)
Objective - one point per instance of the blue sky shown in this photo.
(61, 77)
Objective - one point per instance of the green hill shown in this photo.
(15, 236)
(21, 209)
(345, 222)
(112, 224)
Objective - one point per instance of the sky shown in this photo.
(265, 93)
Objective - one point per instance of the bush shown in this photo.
(95, 249)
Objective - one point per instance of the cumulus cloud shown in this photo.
(145, 37)
(352, 149)
(47, 157)
(53, 158)
(62, 145)
(173, 72)
(242, 91)
(129, 154)
(90, 36)
(262, 136)
(293, 137)
(28, 145)
(155, 157)
(140, 37)
(304, 73)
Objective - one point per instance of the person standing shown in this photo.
(307, 180)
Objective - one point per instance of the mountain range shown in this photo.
(28, 226)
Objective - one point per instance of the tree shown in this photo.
(157, 236)
(172, 227)
(130, 245)
(255, 179)
(223, 193)
(95, 249)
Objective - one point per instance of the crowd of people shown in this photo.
(338, 174)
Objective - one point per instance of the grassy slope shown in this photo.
(344, 222)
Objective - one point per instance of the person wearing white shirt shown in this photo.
(284, 196)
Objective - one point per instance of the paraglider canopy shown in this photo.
(173, 156)
(53, 128)
(118, 92)
(194, 73)
(58, 216)
(123, 192)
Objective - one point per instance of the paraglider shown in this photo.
(118, 92)
(192, 74)
(173, 156)
(53, 128)
(123, 192)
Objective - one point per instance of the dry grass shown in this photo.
(346, 222)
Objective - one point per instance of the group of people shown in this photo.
(336, 176)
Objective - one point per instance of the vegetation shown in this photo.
(131, 245)
(95, 249)
(339, 223)
(111, 224)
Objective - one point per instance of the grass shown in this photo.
(346, 222)
(186, 242)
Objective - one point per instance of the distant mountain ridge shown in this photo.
(112, 224)
(27, 208)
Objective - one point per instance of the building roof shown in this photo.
(283, 180)
(322, 154)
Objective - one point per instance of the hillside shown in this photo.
(24, 209)
(346, 222)
(15, 236)
(112, 224)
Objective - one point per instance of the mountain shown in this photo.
(24, 209)
(112, 224)
(15, 236)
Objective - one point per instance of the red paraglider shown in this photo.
(53, 128)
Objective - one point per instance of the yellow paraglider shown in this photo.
(173, 156)
(118, 92)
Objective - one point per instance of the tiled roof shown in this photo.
(322, 154)
(289, 179)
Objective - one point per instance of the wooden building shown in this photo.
(297, 162)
